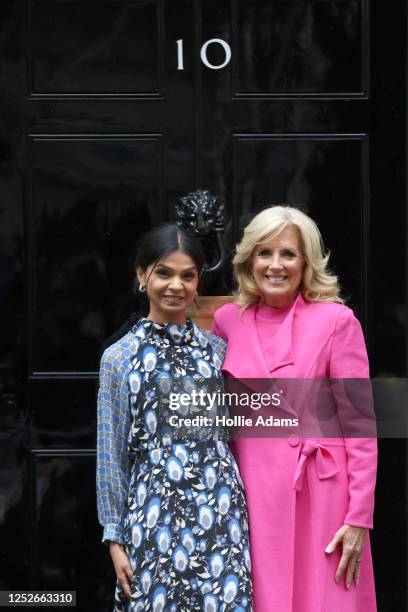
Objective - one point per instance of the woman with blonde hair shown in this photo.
(310, 500)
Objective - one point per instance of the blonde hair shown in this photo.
(318, 283)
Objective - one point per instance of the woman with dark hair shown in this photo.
(170, 498)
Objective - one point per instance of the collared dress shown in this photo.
(171, 496)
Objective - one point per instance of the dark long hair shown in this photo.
(152, 246)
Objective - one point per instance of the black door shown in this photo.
(110, 111)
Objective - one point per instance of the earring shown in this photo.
(142, 289)
(251, 277)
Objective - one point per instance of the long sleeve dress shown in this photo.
(176, 505)
(301, 490)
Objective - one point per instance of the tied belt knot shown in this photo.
(326, 466)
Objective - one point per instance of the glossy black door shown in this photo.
(106, 120)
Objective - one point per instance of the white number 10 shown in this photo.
(203, 53)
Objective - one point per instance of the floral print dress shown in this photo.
(173, 497)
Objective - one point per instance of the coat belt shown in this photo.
(326, 466)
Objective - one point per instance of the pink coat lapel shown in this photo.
(246, 359)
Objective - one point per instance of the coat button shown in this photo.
(294, 440)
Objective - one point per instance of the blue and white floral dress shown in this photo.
(177, 505)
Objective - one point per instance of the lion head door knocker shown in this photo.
(202, 213)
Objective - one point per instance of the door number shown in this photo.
(203, 53)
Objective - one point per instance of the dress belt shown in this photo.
(326, 466)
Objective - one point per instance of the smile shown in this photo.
(276, 280)
(174, 298)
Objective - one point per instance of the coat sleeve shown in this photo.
(113, 464)
(349, 360)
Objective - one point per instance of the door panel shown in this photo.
(94, 48)
(87, 191)
(326, 175)
(310, 48)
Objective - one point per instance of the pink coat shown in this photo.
(290, 528)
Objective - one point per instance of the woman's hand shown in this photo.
(352, 539)
(123, 568)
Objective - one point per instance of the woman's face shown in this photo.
(171, 286)
(277, 266)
